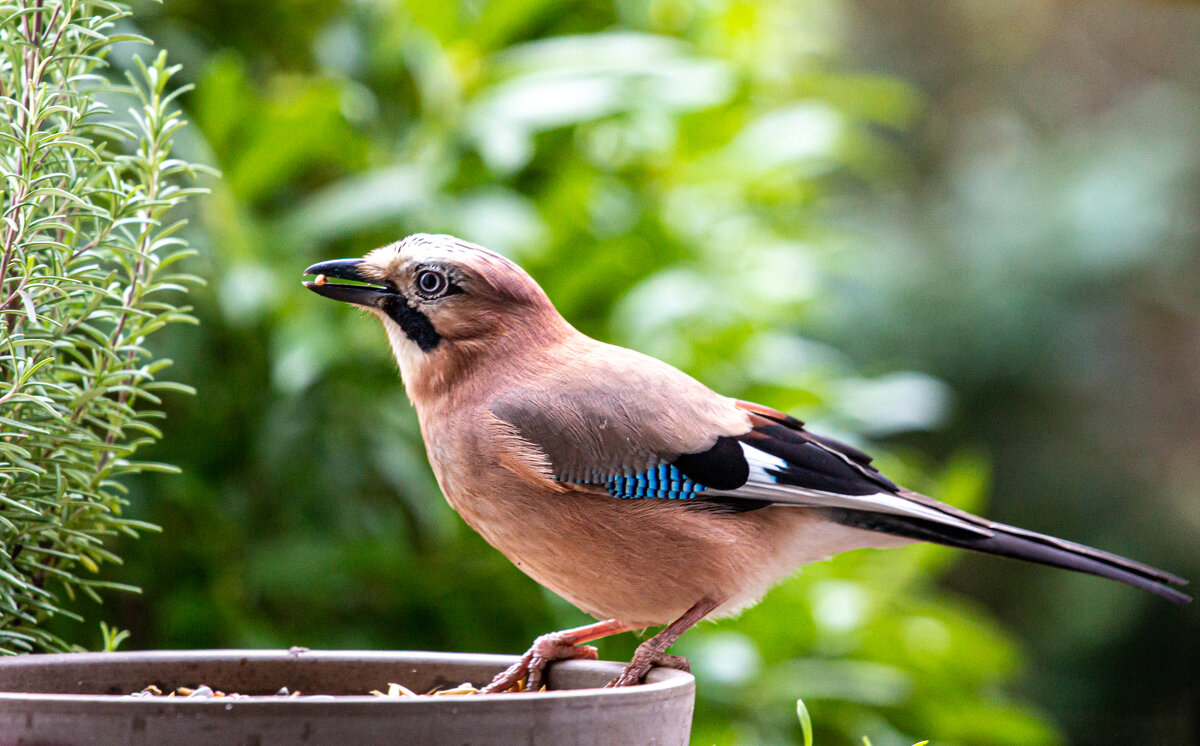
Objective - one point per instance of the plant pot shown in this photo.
(82, 699)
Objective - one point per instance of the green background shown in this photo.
(962, 234)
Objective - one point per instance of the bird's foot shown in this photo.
(555, 646)
(644, 659)
(653, 652)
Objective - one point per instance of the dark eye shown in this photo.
(431, 283)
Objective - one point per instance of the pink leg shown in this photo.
(552, 647)
(653, 652)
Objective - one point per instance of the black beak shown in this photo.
(345, 269)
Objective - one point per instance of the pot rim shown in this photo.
(661, 682)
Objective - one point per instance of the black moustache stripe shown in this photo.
(415, 324)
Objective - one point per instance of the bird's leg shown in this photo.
(551, 647)
(653, 652)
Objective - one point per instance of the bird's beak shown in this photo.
(345, 269)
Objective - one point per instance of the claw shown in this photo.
(678, 662)
(546, 649)
(643, 660)
(556, 646)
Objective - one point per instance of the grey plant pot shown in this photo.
(79, 699)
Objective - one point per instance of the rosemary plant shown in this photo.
(88, 257)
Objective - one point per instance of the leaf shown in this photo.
(360, 202)
(30, 311)
(805, 722)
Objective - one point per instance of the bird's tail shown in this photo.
(1009, 541)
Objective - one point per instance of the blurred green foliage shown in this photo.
(675, 174)
(1042, 256)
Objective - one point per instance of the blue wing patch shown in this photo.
(663, 481)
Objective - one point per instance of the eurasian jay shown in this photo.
(622, 484)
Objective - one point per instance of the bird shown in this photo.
(622, 484)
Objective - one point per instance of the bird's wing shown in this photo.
(648, 431)
(634, 441)
(620, 421)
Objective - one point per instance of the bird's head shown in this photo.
(445, 303)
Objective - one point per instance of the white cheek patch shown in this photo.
(408, 354)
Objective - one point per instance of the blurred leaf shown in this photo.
(805, 722)
(372, 199)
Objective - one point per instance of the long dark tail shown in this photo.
(1009, 541)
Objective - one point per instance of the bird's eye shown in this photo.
(431, 283)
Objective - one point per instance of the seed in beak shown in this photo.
(321, 280)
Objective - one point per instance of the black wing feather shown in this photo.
(818, 463)
(722, 467)
(823, 464)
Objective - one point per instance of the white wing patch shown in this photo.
(763, 485)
